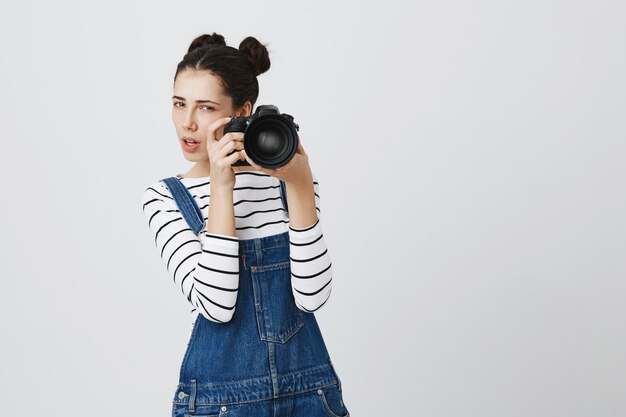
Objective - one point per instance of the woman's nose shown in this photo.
(189, 123)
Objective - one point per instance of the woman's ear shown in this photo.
(246, 109)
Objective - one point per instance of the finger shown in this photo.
(250, 161)
(228, 143)
(231, 159)
(214, 127)
(288, 165)
(255, 166)
(301, 148)
(236, 137)
(229, 147)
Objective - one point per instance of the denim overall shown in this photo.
(270, 359)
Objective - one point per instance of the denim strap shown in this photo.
(185, 202)
(189, 208)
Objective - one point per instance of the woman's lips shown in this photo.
(190, 146)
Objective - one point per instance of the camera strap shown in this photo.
(283, 196)
(189, 208)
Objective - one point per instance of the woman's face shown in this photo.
(198, 100)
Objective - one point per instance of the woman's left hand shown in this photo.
(297, 169)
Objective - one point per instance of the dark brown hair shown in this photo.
(237, 69)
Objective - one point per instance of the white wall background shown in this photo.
(471, 160)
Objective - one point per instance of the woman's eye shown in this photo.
(176, 104)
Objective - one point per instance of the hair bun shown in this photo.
(206, 40)
(256, 53)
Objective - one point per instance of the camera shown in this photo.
(270, 138)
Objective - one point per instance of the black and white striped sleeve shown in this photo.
(205, 267)
(311, 267)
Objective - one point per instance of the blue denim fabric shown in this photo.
(270, 359)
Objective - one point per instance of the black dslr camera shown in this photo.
(270, 138)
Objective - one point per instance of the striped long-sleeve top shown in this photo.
(205, 267)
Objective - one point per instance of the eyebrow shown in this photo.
(197, 101)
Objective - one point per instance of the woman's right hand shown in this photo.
(222, 174)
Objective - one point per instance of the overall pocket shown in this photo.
(278, 318)
(332, 401)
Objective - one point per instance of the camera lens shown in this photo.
(270, 143)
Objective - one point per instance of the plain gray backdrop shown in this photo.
(471, 162)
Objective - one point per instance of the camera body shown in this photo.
(270, 138)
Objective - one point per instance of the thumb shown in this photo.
(250, 161)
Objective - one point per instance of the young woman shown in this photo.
(254, 265)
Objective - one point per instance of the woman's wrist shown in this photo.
(220, 191)
(301, 202)
(221, 218)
